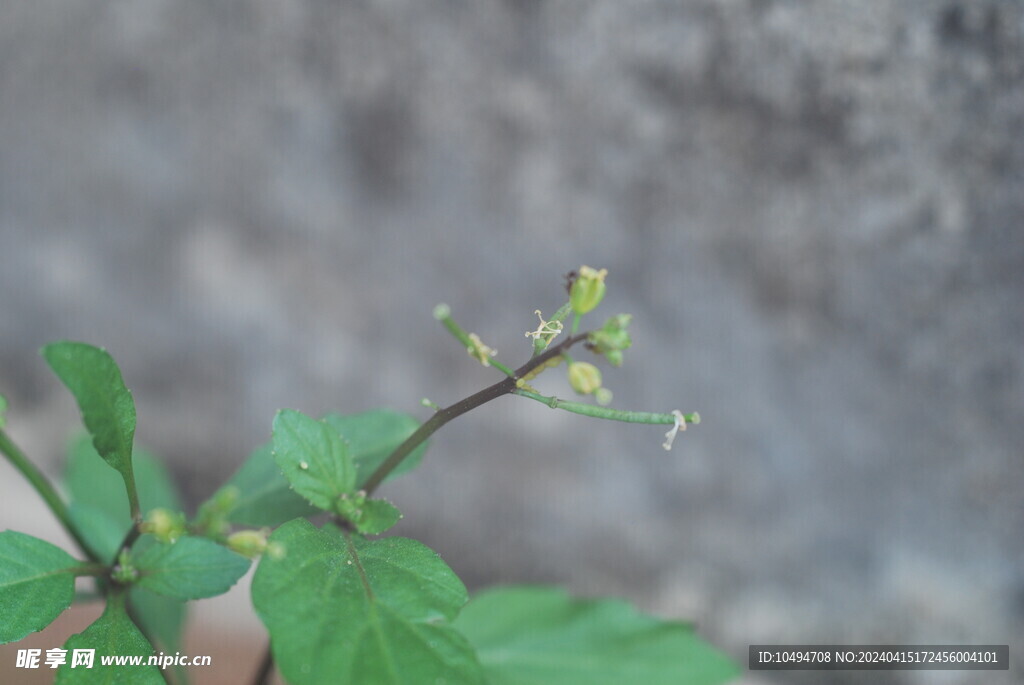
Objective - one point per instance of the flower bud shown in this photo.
(587, 290)
(611, 339)
(584, 377)
(350, 507)
(124, 572)
(442, 312)
(249, 543)
(225, 499)
(165, 525)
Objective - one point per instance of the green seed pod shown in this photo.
(584, 377)
(587, 290)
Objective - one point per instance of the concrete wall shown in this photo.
(812, 209)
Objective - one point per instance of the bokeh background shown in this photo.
(812, 209)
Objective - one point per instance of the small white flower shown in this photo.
(479, 351)
(679, 425)
(548, 330)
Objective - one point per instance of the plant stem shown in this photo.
(503, 387)
(129, 539)
(133, 498)
(93, 569)
(443, 315)
(266, 668)
(605, 412)
(45, 489)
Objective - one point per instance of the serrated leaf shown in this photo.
(108, 410)
(541, 636)
(314, 458)
(265, 498)
(99, 505)
(342, 609)
(112, 634)
(37, 583)
(191, 568)
(378, 516)
(373, 435)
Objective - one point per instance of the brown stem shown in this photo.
(443, 416)
(266, 669)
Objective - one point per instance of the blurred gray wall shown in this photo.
(812, 209)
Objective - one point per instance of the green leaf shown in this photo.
(342, 609)
(541, 636)
(378, 515)
(107, 407)
(161, 618)
(101, 532)
(37, 583)
(99, 505)
(191, 568)
(373, 435)
(265, 497)
(314, 458)
(156, 487)
(368, 516)
(3, 411)
(112, 634)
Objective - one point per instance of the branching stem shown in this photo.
(130, 537)
(45, 489)
(443, 416)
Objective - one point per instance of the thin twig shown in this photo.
(443, 416)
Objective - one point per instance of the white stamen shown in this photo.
(547, 329)
(679, 425)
